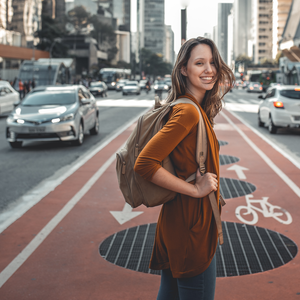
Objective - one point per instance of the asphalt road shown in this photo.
(21, 170)
(245, 105)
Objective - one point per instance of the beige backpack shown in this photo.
(137, 190)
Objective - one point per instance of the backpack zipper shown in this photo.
(136, 148)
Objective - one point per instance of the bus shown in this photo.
(46, 71)
(112, 75)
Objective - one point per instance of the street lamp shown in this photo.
(184, 3)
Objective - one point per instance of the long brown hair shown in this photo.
(212, 102)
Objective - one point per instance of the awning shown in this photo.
(293, 54)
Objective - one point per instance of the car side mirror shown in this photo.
(2, 94)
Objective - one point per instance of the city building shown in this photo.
(290, 46)
(169, 48)
(241, 27)
(224, 10)
(281, 10)
(19, 20)
(151, 25)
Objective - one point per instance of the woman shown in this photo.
(186, 234)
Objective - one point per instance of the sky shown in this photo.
(202, 16)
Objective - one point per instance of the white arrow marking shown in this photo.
(239, 171)
(126, 214)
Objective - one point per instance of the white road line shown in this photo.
(35, 195)
(243, 101)
(43, 234)
(282, 175)
(281, 151)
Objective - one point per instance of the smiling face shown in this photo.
(200, 71)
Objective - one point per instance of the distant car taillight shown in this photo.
(278, 104)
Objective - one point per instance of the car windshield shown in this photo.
(96, 84)
(292, 94)
(49, 98)
(122, 81)
(131, 84)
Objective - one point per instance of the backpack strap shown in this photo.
(201, 154)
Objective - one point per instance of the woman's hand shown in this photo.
(205, 184)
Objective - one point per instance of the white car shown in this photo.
(280, 107)
(120, 84)
(8, 96)
(131, 87)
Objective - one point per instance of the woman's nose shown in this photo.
(208, 68)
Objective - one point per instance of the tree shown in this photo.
(50, 31)
(153, 64)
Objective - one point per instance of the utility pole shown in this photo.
(183, 25)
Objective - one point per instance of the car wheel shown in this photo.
(259, 122)
(16, 144)
(95, 129)
(272, 128)
(80, 138)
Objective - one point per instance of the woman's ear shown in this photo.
(183, 71)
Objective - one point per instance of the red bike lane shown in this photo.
(52, 251)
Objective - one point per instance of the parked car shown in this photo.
(168, 82)
(160, 86)
(8, 96)
(131, 87)
(53, 113)
(280, 107)
(120, 84)
(98, 88)
(254, 87)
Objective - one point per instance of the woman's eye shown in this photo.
(199, 63)
(212, 63)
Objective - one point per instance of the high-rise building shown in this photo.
(262, 29)
(169, 48)
(281, 10)
(241, 26)
(150, 25)
(223, 13)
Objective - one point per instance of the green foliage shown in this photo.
(79, 17)
(153, 64)
(243, 58)
(51, 30)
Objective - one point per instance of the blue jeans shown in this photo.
(200, 287)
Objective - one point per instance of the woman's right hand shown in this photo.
(205, 184)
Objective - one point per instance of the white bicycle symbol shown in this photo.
(268, 210)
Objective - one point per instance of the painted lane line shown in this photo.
(239, 171)
(281, 151)
(126, 214)
(268, 161)
(36, 194)
(44, 233)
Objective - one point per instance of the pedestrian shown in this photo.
(186, 233)
(21, 89)
(32, 84)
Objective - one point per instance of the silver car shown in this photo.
(53, 113)
(120, 84)
(131, 87)
(280, 107)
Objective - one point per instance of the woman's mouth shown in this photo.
(207, 78)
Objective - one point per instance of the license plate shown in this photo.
(37, 129)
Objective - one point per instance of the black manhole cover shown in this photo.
(227, 159)
(223, 143)
(232, 188)
(246, 250)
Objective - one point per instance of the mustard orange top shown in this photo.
(186, 233)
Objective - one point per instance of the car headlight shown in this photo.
(113, 83)
(155, 87)
(166, 87)
(63, 118)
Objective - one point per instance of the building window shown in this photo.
(262, 51)
(262, 44)
(263, 22)
(263, 37)
(262, 29)
(263, 15)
